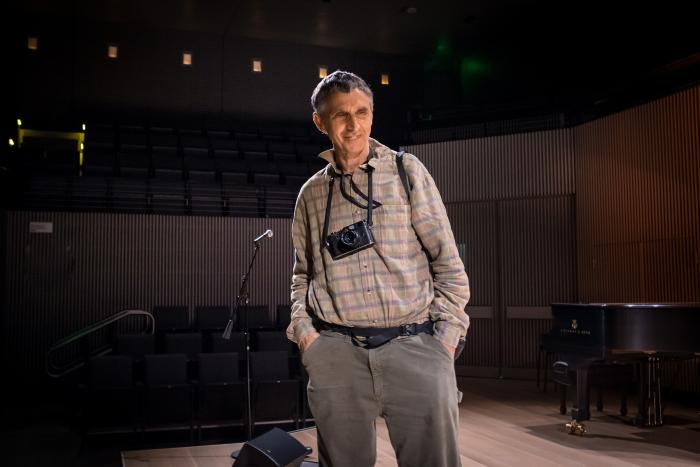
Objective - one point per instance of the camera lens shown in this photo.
(348, 238)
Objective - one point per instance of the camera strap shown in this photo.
(370, 203)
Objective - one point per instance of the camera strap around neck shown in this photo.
(370, 203)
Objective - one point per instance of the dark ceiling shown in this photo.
(520, 48)
(387, 26)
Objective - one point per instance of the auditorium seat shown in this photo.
(110, 404)
(236, 343)
(271, 132)
(169, 197)
(206, 205)
(197, 160)
(230, 163)
(254, 151)
(220, 392)
(207, 177)
(188, 343)
(136, 346)
(273, 340)
(307, 151)
(194, 141)
(212, 318)
(168, 393)
(130, 195)
(242, 200)
(295, 182)
(298, 133)
(258, 317)
(90, 194)
(163, 139)
(134, 164)
(280, 201)
(171, 318)
(234, 179)
(133, 139)
(275, 395)
(284, 316)
(246, 132)
(47, 192)
(100, 139)
(98, 163)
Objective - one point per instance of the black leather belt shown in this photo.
(375, 337)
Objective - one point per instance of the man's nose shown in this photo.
(351, 122)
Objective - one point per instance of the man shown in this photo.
(378, 315)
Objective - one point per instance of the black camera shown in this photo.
(350, 240)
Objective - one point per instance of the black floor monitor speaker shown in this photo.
(276, 448)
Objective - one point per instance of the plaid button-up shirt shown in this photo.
(413, 273)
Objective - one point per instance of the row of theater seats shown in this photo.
(215, 317)
(164, 170)
(186, 375)
(169, 397)
(156, 196)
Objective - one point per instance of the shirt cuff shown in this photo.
(300, 328)
(447, 333)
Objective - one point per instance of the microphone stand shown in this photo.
(242, 299)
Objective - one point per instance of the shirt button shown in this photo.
(365, 265)
(374, 321)
(369, 291)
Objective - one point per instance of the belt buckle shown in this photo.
(407, 329)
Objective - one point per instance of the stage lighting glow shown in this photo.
(84, 127)
(112, 51)
(385, 79)
(19, 122)
(32, 43)
(12, 142)
(187, 58)
(322, 71)
(257, 66)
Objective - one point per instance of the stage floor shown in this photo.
(505, 423)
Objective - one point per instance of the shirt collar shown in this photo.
(372, 159)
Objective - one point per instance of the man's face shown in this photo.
(347, 119)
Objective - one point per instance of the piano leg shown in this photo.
(649, 413)
(581, 411)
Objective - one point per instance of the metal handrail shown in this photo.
(57, 371)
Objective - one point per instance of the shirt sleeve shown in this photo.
(300, 324)
(450, 282)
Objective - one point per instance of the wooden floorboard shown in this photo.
(506, 423)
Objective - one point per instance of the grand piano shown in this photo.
(640, 334)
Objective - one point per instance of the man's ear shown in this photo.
(319, 123)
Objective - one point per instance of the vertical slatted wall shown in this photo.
(509, 199)
(94, 265)
(638, 207)
(638, 202)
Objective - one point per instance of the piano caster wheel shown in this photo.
(576, 428)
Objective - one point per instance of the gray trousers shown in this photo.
(410, 382)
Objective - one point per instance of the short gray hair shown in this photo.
(342, 81)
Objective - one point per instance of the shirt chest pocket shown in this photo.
(393, 231)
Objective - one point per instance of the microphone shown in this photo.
(268, 233)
